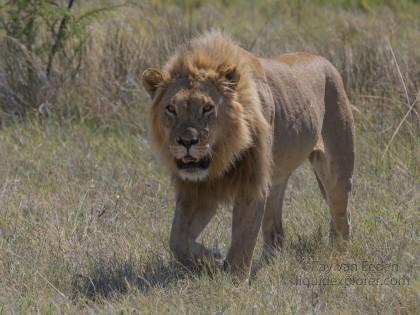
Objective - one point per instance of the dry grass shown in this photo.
(85, 210)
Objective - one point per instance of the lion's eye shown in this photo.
(208, 108)
(171, 109)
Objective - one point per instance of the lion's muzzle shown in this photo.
(193, 169)
(191, 154)
(188, 162)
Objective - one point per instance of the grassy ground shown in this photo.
(86, 215)
(85, 208)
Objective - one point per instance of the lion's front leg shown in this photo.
(189, 221)
(246, 223)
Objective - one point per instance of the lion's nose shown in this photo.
(187, 142)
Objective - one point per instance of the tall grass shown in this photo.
(103, 83)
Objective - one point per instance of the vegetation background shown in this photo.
(85, 210)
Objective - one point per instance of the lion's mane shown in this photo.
(241, 162)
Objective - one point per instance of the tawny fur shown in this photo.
(278, 112)
(242, 163)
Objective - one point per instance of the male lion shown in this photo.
(232, 127)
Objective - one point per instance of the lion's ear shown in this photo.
(152, 79)
(229, 74)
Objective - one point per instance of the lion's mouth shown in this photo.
(188, 162)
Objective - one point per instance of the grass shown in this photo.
(86, 215)
(85, 208)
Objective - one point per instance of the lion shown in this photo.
(231, 128)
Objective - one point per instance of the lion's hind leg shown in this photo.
(333, 158)
(336, 190)
(272, 226)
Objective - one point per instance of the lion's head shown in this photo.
(201, 118)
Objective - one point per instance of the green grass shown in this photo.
(86, 214)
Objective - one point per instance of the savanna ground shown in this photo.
(85, 209)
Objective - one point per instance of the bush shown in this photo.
(42, 47)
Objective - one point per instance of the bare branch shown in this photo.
(59, 38)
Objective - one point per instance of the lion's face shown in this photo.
(189, 120)
(189, 117)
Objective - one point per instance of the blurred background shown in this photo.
(83, 60)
